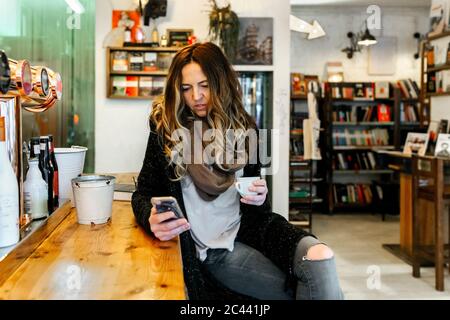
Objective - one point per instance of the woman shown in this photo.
(232, 247)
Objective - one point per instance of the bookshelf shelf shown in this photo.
(363, 147)
(138, 73)
(363, 171)
(437, 94)
(130, 98)
(439, 68)
(372, 123)
(439, 36)
(157, 49)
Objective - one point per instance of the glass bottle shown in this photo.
(9, 196)
(35, 192)
(46, 170)
(35, 148)
(55, 172)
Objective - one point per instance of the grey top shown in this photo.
(214, 224)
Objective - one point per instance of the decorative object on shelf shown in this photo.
(335, 71)
(224, 28)
(179, 37)
(416, 143)
(437, 17)
(255, 44)
(163, 41)
(313, 30)
(311, 131)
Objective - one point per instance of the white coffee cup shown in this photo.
(243, 183)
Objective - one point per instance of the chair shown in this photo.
(428, 184)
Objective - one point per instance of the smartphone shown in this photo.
(163, 204)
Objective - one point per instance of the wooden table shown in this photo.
(117, 260)
(402, 163)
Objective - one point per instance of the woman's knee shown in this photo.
(319, 252)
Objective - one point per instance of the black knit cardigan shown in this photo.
(260, 228)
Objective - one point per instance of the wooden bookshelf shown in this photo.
(306, 180)
(137, 91)
(359, 176)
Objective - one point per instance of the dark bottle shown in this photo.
(35, 148)
(5, 73)
(55, 172)
(46, 169)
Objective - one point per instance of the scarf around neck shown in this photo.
(210, 179)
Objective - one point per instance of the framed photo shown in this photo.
(416, 143)
(255, 41)
(178, 37)
(443, 146)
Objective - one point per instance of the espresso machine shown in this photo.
(24, 88)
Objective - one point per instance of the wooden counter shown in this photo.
(117, 260)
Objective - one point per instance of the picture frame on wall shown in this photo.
(178, 37)
(255, 42)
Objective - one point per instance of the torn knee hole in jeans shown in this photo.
(305, 258)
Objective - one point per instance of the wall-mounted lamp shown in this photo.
(367, 39)
(358, 40)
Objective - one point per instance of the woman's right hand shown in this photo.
(165, 230)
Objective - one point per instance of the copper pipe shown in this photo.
(41, 82)
(20, 77)
(55, 84)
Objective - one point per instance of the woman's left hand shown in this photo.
(260, 187)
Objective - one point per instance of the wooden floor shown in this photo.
(366, 269)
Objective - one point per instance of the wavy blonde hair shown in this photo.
(225, 108)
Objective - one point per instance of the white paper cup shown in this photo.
(70, 165)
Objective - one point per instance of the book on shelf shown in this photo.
(352, 194)
(443, 146)
(409, 112)
(364, 91)
(440, 53)
(384, 112)
(431, 82)
(136, 61)
(158, 84)
(119, 61)
(366, 137)
(150, 61)
(382, 90)
(126, 86)
(123, 191)
(298, 85)
(119, 85)
(416, 142)
(443, 126)
(145, 86)
(132, 88)
(163, 60)
(354, 160)
(408, 88)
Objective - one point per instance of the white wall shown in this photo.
(122, 125)
(310, 56)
